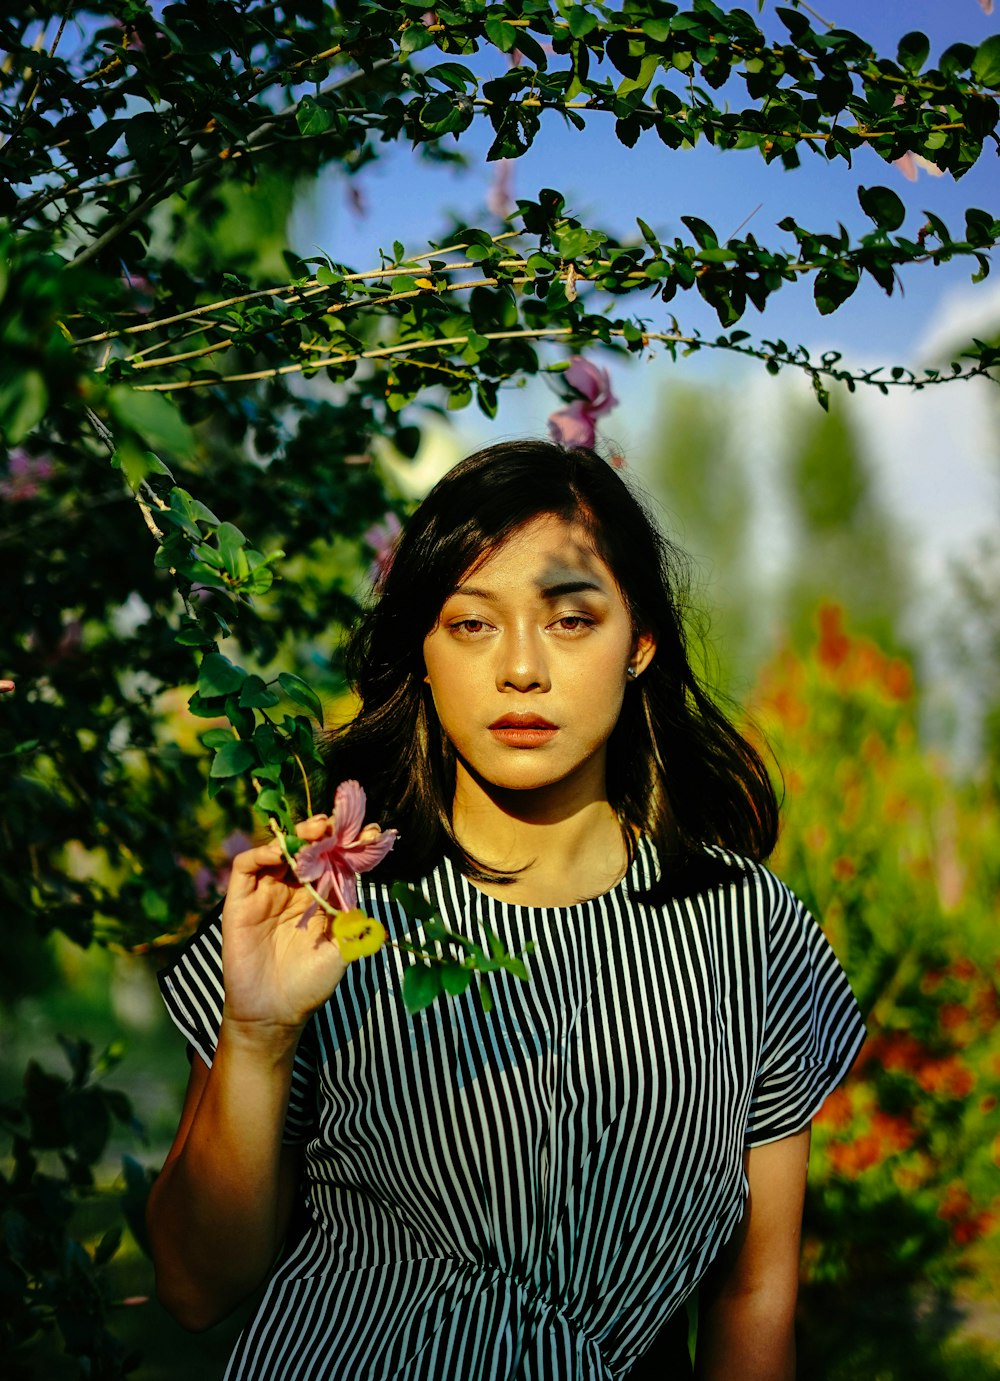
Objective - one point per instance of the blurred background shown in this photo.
(845, 589)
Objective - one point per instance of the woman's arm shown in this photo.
(219, 1210)
(220, 1207)
(746, 1321)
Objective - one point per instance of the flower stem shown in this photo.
(305, 783)
(321, 902)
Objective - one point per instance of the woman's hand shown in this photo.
(276, 971)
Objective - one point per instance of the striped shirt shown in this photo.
(530, 1194)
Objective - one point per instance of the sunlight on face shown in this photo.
(527, 663)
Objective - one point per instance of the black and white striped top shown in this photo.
(532, 1193)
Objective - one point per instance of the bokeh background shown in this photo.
(845, 588)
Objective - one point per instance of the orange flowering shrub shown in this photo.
(901, 862)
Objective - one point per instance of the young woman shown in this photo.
(532, 1193)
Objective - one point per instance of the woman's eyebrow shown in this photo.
(570, 587)
(579, 585)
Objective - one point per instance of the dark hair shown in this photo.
(678, 770)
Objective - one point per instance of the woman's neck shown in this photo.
(563, 849)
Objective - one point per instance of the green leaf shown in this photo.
(705, 236)
(986, 63)
(233, 758)
(656, 29)
(218, 676)
(883, 206)
(913, 51)
(145, 134)
(231, 543)
(152, 417)
(255, 694)
(648, 234)
(313, 118)
(414, 903)
(833, 286)
(272, 801)
(572, 242)
(298, 691)
(501, 34)
(455, 978)
(22, 405)
(581, 21)
(646, 73)
(217, 738)
(421, 985)
(415, 37)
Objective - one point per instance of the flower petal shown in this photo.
(309, 863)
(364, 855)
(572, 425)
(587, 378)
(348, 812)
(343, 889)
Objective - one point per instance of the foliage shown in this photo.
(55, 1135)
(904, 867)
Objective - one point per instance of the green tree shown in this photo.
(846, 546)
(698, 469)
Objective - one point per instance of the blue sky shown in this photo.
(936, 451)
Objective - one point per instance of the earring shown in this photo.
(631, 671)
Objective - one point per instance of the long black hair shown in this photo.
(677, 768)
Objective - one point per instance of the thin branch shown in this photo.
(672, 338)
(130, 217)
(215, 347)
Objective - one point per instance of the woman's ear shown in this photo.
(643, 652)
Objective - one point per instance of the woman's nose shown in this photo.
(522, 664)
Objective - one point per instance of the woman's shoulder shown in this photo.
(708, 868)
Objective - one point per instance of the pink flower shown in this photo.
(23, 474)
(6, 687)
(332, 863)
(909, 164)
(382, 538)
(576, 424)
(500, 197)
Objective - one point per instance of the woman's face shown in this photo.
(527, 662)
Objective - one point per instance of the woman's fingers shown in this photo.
(256, 860)
(314, 828)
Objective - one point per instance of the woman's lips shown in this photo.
(530, 731)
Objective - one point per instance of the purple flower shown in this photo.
(350, 847)
(576, 424)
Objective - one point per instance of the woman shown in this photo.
(531, 1193)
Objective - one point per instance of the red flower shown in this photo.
(834, 644)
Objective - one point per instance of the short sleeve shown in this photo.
(813, 1029)
(193, 994)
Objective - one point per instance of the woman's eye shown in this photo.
(469, 626)
(574, 623)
